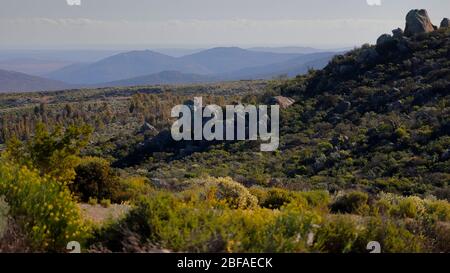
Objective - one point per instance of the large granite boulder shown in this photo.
(418, 21)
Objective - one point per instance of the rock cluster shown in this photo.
(417, 22)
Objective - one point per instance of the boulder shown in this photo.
(445, 23)
(418, 21)
(386, 43)
(398, 33)
(368, 56)
(385, 38)
(283, 102)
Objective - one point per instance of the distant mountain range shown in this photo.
(291, 67)
(140, 63)
(11, 81)
(31, 66)
(294, 49)
(149, 68)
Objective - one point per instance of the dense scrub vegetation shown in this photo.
(200, 219)
(364, 156)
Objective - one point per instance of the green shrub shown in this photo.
(94, 178)
(382, 207)
(276, 198)
(352, 202)
(316, 198)
(338, 234)
(93, 201)
(347, 233)
(393, 236)
(409, 207)
(131, 188)
(438, 210)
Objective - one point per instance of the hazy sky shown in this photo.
(183, 23)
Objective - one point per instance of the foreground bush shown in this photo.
(208, 226)
(95, 179)
(178, 223)
(349, 233)
(44, 207)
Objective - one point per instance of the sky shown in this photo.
(108, 24)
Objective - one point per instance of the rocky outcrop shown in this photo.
(418, 21)
(445, 23)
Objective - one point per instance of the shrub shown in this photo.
(225, 190)
(382, 206)
(44, 207)
(94, 178)
(393, 236)
(106, 203)
(338, 234)
(316, 198)
(409, 207)
(93, 201)
(131, 188)
(352, 202)
(441, 238)
(276, 198)
(438, 210)
(347, 233)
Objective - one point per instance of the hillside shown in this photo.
(376, 118)
(11, 81)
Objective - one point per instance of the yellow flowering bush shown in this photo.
(223, 189)
(44, 206)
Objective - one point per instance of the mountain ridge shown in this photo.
(11, 81)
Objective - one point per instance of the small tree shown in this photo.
(52, 153)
